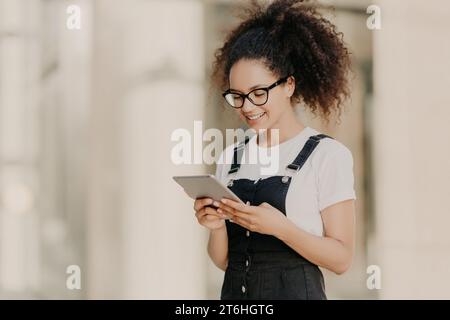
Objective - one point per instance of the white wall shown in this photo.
(412, 153)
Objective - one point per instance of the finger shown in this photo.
(265, 205)
(213, 212)
(229, 211)
(202, 202)
(241, 222)
(242, 218)
(237, 205)
(242, 215)
(199, 214)
(236, 213)
(207, 211)
(226, 208)
(233, 213)
(206, 217)
(225, 214)
(211, 217)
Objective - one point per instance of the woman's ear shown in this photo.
(290, 86)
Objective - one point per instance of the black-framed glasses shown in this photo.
(258, 96)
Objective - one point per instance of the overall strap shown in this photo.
(237, 156)
(306, 151)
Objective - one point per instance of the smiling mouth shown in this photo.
(255, 116)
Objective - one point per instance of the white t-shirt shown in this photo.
(326, 177)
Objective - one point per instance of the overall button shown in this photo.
(285, 179)
(243, 289)
(247, 233)
(246, 263)
(230, 184)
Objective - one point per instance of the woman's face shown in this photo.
(246, 75)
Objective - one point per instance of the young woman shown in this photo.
(303, 216)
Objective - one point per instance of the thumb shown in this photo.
(265, 205)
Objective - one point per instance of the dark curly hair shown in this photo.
(291, 38)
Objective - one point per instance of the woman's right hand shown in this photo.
(208, 216)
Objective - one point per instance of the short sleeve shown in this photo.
(335, 177)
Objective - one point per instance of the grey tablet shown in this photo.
(205, 186)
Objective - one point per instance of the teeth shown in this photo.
(256, 116)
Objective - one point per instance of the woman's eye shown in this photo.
(259, 93)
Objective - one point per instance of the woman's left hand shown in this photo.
(263, 219)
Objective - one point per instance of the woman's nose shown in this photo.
(247, 106)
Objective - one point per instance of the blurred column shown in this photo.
(44, 83)
(148, 81)
(412, 156)
(19, 245)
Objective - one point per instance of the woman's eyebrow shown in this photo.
(250, 89)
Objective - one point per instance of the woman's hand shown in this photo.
(263, 219)
(208, 216)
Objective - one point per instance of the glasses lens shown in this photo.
(258, 97)
(234, 100)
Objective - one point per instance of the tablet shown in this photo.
(205, 186)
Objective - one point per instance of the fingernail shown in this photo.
(224, 201)
(216, 204)
(219, 210)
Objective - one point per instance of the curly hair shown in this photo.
(291, 38)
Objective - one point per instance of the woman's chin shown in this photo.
(258, 124)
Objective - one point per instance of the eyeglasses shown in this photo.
(258, 96)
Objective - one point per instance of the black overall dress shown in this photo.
(262, 266)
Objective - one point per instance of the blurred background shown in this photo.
(86, 117)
